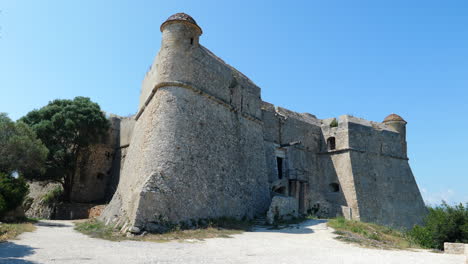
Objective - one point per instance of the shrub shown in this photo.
(334, 123)
(444, 223)
(12, 192)
(52, 195)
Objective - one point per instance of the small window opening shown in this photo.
(280, 190)
(191, 41)
(100, 176)
(331, 142)
(334, 187)
(279, 163)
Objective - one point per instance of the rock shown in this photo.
(282, 208)
(134, 230)
(96, 211)
(455, 248)
(34, 204)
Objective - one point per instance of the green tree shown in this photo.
(20, 150)
(12, 192)
(444, 223)
(66, 127)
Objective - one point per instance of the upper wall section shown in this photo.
(366, 136)
(183, 62)
(282, 126)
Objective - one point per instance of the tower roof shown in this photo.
(394, 117)
(181, 17)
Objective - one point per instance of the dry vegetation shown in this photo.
(12, 230)
(371, 235)
(215, 228)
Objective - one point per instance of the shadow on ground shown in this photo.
(306, 227)
(52, 224)
(12, 253)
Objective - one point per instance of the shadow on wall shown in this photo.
(12, 253)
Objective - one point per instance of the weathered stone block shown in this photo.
(455, 248)
(282, 208)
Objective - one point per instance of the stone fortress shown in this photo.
(204, 145)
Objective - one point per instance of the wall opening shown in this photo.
(331, 143)
(280, 190)
(191, 41)
(334, 187)
(100, 176)
(279, 164)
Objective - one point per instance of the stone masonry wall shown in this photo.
(197, 148)
(204, 145)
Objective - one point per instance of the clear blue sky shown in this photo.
(329, 58)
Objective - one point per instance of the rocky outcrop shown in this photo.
(36, 203)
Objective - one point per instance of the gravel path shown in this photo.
(310, 242)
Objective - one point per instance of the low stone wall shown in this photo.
(455, 248)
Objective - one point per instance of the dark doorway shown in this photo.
(331, 142)
(279, 164)
(334, 187)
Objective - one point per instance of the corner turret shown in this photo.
(398, 124)
(180, 29)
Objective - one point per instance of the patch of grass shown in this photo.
(12, 230)
(52, 195)
(222, 227)
(98, 229)
(370, 235)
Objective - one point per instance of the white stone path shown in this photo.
(310, 242)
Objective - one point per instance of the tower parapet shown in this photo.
(181, 30)
(398, 124)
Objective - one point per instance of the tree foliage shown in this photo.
(444, 223)
(66, 127)
(20, 149)
(12, 192)
(21, 152)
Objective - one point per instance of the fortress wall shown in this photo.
(191, 158)
(197, 147)
(149, 82)
(386, 190)
(304, 162)
(336, 168)
(94, 172)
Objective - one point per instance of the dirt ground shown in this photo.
(309, 242)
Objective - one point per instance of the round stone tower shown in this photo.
(180, 30)
(399, 124)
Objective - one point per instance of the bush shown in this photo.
(334, 123)
(444, 223)
(12, 192)
(52, 195)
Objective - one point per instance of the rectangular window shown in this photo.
(279, 164)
